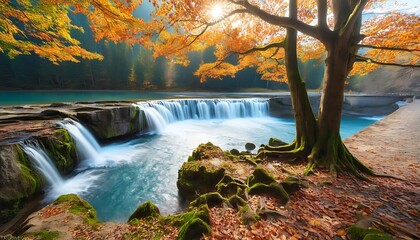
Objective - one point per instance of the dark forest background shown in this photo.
(133, 67)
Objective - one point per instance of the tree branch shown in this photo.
(354, 16)
(263, 48)
(369, 60)
(281, 21)
(234, 12)
(387, 48)
(322, 14)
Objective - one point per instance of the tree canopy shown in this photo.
(253, 32)
(44, 27)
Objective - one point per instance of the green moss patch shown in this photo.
(78, 206)
(62, 150)
(260, 175)
(206, 151)
(276, 142)
(195, 179)
(358, 233)
(147, 209)
(274, 190)
(44, 235)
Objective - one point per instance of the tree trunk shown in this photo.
(319, 141)
(303, 113)
(305, 120)
(329, 150)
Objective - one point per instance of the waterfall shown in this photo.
(58, 186)
(159, 113)
(43, 163)
(87, 145)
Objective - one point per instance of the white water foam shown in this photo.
(57, 185)
(158, 114)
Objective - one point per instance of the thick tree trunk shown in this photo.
(319, 141)
(329, 150)
(305, 120)
(303, 113)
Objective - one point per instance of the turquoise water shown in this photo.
(33, 97)
(146, 169)
(8, 98)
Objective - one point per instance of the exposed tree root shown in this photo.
(334, 156)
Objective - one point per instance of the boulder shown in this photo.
(147, 209)
(250, 146)
(111, 123)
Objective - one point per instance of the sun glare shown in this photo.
(216, 12)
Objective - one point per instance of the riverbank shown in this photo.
(323, 207)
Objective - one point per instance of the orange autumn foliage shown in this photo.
(43, 27)
(242, 39)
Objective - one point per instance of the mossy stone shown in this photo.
(147, 209)
(235, 152)
(250, 146)
(237, 202)
(274, 190)
(248, 216)
(195, 179)
(62, 150)
(378, 236)
(44, 235)
(260, 176)
(206, 151)
(359, 233)
(231, 188)
(292, 184)
(78, 206)
(211, 199)
(276, 142)
(193, 229)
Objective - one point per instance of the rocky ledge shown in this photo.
(19, 179)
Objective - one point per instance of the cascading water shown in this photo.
(159, 113)
(57, 185)
(43, 163)
(87, 145)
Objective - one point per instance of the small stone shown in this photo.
(235, 152)
(250, 146)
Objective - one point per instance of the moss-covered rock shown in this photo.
(44, 235)
(193, 229)
(112, 123)
(211, 199)
(195, 179)
(147, 209)
(62, 150)
(207, 151)
(77, 206)
(276, 142)
(260, 175)
(231, 188)
(250, 146)
(292, 184)
(274, 190)
(18, 181)
(248, 216)
(234, 152)
(237, 201)
(356, 232)
(192, 224)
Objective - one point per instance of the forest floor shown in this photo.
(324, 209)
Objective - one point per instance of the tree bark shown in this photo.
(319, 140)
(304, 117)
